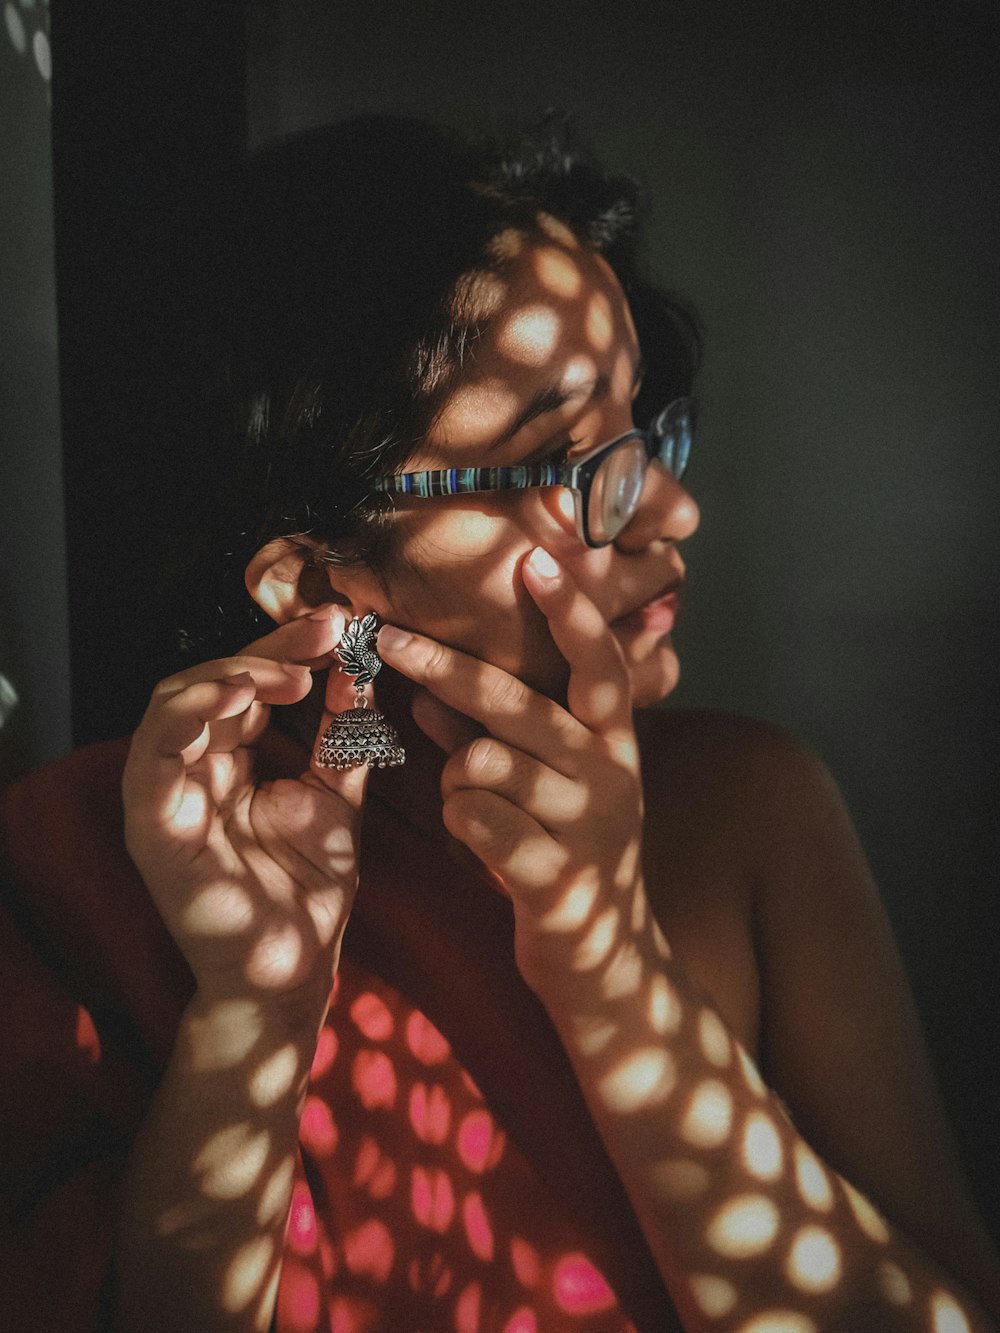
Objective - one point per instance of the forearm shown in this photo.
(742, 1217)
(209, 1179)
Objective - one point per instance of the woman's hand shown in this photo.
(550, 798)
(255, 881)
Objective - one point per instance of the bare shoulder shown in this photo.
(749, 785)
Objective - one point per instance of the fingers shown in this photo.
(309, 640)
(599, 697)
(556, 803)
(598, 693)
(522, 856)
(177, 728)
(503, 705)
(447, 728)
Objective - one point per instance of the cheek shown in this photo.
(457, 578)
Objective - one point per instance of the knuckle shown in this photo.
(504, 694)
(486, 760)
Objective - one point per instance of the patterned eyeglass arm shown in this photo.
(468, 480)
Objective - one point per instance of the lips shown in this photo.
(657, 615)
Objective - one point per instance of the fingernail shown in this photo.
(324, 612)
(543, 564)
(395, 640)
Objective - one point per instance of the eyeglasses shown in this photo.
(606, 482)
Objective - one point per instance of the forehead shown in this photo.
(554, 314)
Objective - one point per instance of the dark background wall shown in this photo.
(34, 637)
(826, 191)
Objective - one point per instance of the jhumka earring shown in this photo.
(360, 735)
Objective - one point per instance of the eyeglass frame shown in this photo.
(575, 474)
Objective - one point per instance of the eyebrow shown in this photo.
(553, 396)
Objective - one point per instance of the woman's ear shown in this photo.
(286, 580)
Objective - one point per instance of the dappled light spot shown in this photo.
(763, 1155)
(572, 909)
(603, 699)
(301, 1232)
(424, 1040)
(598, 941)
(714, 1039)
(556, 272)
(350, 1316)
(87, 1040)
(374, 1079)
(714, 1296)
(298, 1308)
(477, 1226)
(226, 1035)
(530, 335)
(558, 231)
(744, 1227)
(219, 909)
(369, 1250)
(812, 1179)
(317, 1130)
(947, 1316)
(275, 957)
(375, 1171)
(266, 1303)
(432, 1198)
(870, 1222)
(274, 1196)
(579, 1288)
(325, 1054)
(893, 1283)
(525, 1261)
(663, 1007)
(480, 1143)
(231, 1161)
(592, 1032)
(467, 1309)
(508, 244)
(599, 324)
(679, 1178)
(192, 810)
(522, 1321)
(246, 1274)
(751, 1074)
(778, 1321)
(640, 911)
(814, 1260)
(371, 1015)
(644, 1078)
(709, 1115)
(624, 973)
(430, 1112)
(273, 1077)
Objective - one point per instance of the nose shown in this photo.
(665, 512)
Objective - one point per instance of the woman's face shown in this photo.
(556, 368)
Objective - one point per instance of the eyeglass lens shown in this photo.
(615, 490)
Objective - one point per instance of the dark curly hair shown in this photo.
(354, 248)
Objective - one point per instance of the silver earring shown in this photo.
(361, 735)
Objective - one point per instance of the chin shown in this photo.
(654, 675)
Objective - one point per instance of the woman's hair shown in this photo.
(355, 252)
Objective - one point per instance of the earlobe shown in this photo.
(286, 580)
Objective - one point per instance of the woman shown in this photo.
(630, 970)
